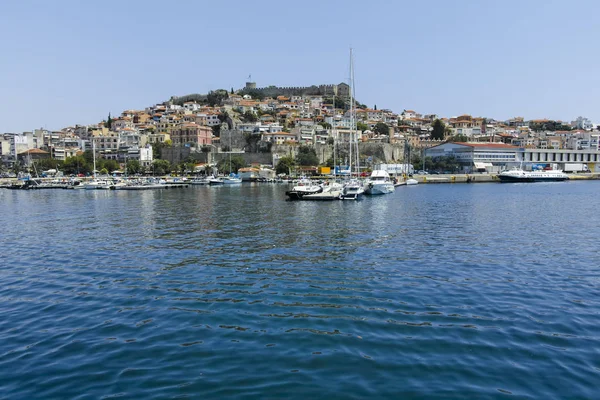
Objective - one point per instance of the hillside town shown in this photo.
(261, 126)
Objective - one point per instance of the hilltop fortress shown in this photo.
(341, 90)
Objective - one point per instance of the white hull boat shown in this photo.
(518, 175)
(379, 183)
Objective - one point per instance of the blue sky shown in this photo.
(72, 62)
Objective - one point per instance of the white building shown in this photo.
(494, 157)
(145, 156)
(191, 106)
(582, 123)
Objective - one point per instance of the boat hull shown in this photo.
(531, 179)
(322, 196)
(377, 189)
(298, 194)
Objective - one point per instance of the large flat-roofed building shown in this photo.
(495, 157)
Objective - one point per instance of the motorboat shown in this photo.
(303, 188)
(331, 191)
(352, 190)
(97, 184)
(519, 175)
(379, 183)
(215, 180)
(408, 182)
(232, 179)
(199, 181)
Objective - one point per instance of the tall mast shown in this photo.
(354, 113)
(94, 155)
(333, 132)
(351, 114)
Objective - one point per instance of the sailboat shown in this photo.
(232, 178)
(96, 183)
(353, 189)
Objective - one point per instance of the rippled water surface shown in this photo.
(435, 291)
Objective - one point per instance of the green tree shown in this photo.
(47, 163)
(17, 167)
(108, 122)
(446, 163)
(215, 98)
(161, 167)
(361, 126)
(326, 125)
(459, 138)
(439, 129)
(375, 107)
(329, 162)
(216, 130)
(76, 165)
(228, 166)
(109, 165)
(231, 90)
(307, 156)
(249, 116)
(133, 167)
(551, 126)
(88, 155)
(255, 94)
(285, 165)
(416, 161)
(157, 150)
(381, 129)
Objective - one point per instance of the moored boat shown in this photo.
(232, 179)
(352, 190)
(215, 181)
(518, 175)
(199, 181)
(408, 182)
(304, 187)
(97, 184)
(379, 183)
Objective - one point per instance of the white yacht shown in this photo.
(518, 175)
(97, 184)
(379, 183)
(215, 180)
(352, 190)
(302, 188)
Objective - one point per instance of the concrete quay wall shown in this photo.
(484, 178)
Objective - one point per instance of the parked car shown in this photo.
(422, 172)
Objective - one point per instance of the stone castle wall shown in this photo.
(385, 153)
(321, 90)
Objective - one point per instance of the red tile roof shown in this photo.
(490, 145)
(34, 151)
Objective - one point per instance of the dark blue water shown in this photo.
(435, 291)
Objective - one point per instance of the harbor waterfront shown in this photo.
(63, 183)
(433, 291)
